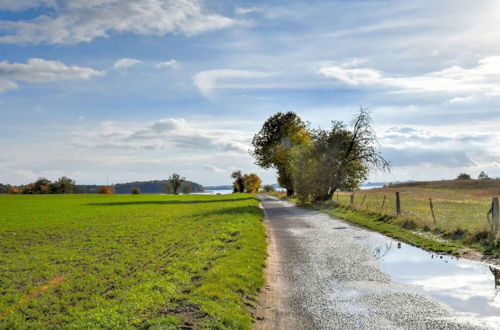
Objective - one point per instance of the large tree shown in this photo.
(336, 159)
(274, 142)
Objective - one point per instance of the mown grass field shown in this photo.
(129, 261)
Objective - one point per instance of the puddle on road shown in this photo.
(464, 285)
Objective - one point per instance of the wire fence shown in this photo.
(443, 209)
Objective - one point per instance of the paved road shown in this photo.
(320, 276)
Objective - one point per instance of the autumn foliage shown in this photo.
(105, 190)
(252, 182)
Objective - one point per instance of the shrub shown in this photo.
(252, 182)
(463, 176)
(136, 191)
(13, 190)
(105, 190)
(269, 188)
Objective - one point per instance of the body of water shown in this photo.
(464, 285)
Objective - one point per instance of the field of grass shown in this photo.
(453, 209)
(129, 261)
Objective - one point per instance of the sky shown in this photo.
(137, 90)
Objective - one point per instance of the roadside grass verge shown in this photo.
(445, 236)
(130, 261)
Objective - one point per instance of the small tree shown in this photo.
(483, 176)
(463, 176)
(13, 190)
(135, 191)
(252, 182)
(41, 186)
(175, 182)
(107, 190)
(239, 183)
(186, 188)
(269, 188)
(63, 185)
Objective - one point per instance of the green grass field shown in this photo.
(129, 261)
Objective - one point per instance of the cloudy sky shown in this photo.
(136, 90)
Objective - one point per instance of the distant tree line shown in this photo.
(66, 185)
(314, 163)
(465, 176)
(63, 185)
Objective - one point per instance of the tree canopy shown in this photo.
(273, 143)
(238, 183)
(252, 182)
(463, 176)
(174, 181)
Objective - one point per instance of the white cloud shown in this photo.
(441, 146)
(170, 133)
(16, 5)
(482, 79)
(352, 76)
(245, 11)
(124, 63)
(38, 70)
(208, 81)
(165, 64)
(212, 168)
(6, 85)
(74, 21)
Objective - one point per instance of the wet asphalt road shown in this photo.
(329, 279)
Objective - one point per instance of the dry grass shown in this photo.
(454, 208)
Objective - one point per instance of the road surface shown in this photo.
(321, 276)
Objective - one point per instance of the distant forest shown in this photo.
(146, 187)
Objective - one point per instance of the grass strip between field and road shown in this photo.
(417, 232)
(130, 261)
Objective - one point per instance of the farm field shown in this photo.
(128, 261)
(453, 209)
(460, 213)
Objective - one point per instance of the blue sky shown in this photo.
(136, 90)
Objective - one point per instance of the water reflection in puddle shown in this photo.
(464, 285)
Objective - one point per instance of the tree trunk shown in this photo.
(326, 197)
(289, 192)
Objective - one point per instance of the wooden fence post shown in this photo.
(398, 204)
(432, 210)
(495, 217)
(363, 201)
(352, 199)
(383, 202)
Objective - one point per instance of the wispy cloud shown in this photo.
(74, 21)
(208, 81)
(38, 70)
(212, 168)
(167, 64)
(482, 79)
(247, 10)
(124, 63)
